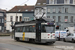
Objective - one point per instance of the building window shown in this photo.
(59, 18)
(1, 14)
(67, 2)
(26, 18)
(54, 17)
(66, 18)
(54, 10)
(59, 10)
(20, 18)
(11, 23)
(47, 1)
(55, 1)
(48, 10)
(44, 3)
(71, 18)
(51, 1)
(71, 1)
(11, 18)
(19, 10)
(26, 10)
(60, 1)
(66, 10)
(32, 10)
(48, 16)
(38, 3)
(2, 20)
(16, 18)
(74, 2)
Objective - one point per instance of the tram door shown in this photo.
(38, 32)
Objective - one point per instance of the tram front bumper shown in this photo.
(47, 40)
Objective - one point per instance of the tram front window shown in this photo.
(48, 29)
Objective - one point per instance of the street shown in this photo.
(7, 43)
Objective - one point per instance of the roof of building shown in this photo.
(40, 20)
(1, 10)
(22, 9)
(41, 3)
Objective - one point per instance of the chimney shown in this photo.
(25, 4)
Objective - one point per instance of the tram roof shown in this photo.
(37, 21)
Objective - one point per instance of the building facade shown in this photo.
(28, 13)
(18, 14)
(11, 18)
(62, 11)
(2, 20)
(28, 16)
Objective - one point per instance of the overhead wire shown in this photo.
(24, 2)
(11, 6)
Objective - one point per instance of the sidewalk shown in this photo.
(5, 34)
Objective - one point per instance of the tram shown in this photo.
(39, 31)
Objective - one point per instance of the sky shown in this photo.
(8, 4)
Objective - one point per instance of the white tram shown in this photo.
(39, 31)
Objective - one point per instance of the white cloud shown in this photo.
(11, 3)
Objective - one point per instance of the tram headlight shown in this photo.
(48, 34)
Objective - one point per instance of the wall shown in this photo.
(8, 22)
(29, 14)
(70, 13)
(2, 21)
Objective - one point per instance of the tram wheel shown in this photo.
(31, 40)
(50, 43)
(17, 39)
(64, 40)
(73, 40)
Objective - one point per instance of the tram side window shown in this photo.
(19, 29)
(29, 29)
(32, 28)
(24, 30)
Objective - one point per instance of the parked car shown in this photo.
(60, 34)
(70, 37)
